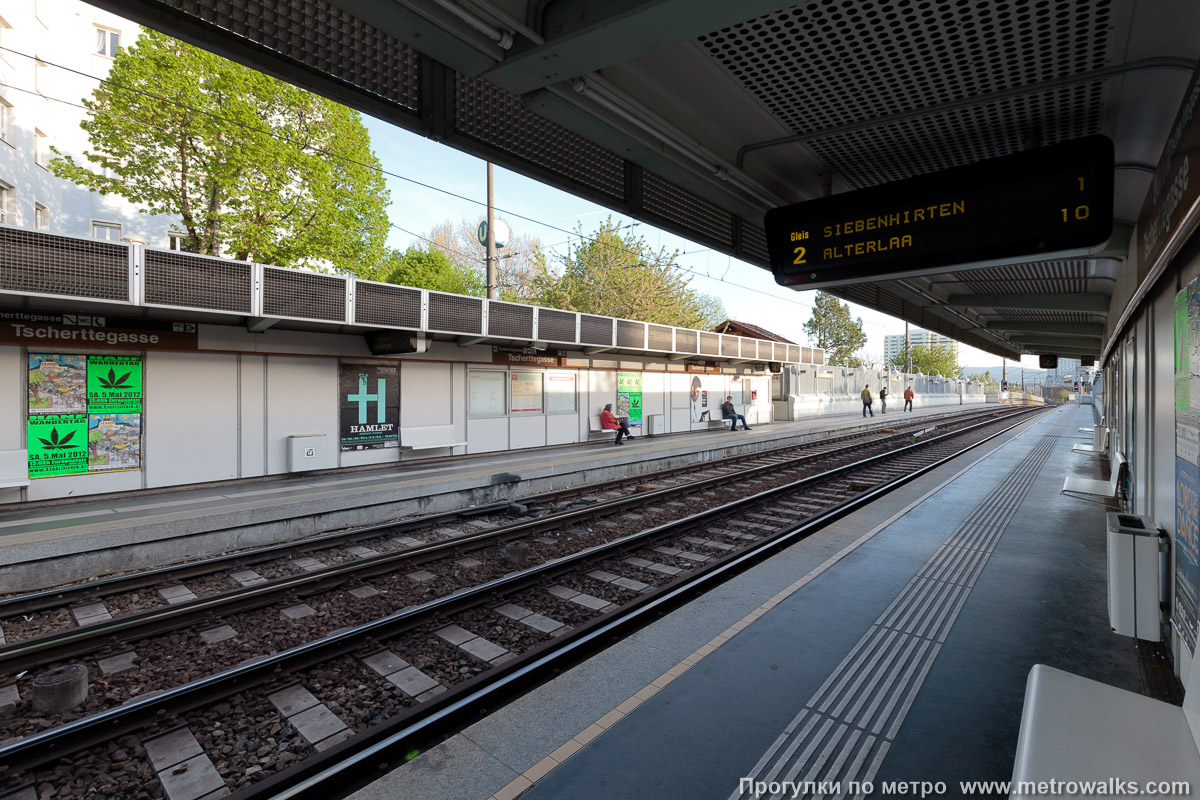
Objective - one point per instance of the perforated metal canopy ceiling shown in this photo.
(699, 115)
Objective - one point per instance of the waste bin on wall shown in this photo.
(655, 425)
(306, 451)
(1133, 576)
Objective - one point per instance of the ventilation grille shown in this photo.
(175, 279)
(779, 352)
(674, 203)
(595, 330)
(556, 326)
(793, 353)
(41, 263)
(820, 66)
(710, 344)
(387, 305)
(1069, 276)
(290, 293)
(322, 37)
(631, 334)
(749, 348)
(455, 314)
(497, 118)
(754, 243)
(685, 341)
(729, 346)
(509, 319)
(806, 355)
(818, 356)
(660, 338)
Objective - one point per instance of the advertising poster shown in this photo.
(1183, 364)
(699, 400)
(1187, 464)
(369, 411)
(629, 397)
(114, 442)
(1187, 549)
(526, 392)
(57, 384)
(114, 384)
(57, 444)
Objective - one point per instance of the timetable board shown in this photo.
(1054, 201)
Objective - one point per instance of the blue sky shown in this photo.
(749, 293)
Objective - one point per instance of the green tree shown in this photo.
(251, 166)
(36, 378)
(94, 438)
(832, 328)
(433, 269)
(617, 274)
(518, 260)
(928, 358)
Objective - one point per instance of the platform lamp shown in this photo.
(135, 239)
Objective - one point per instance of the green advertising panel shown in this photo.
(57, 444)
(114, 384)
(629, 397)
(114, 442)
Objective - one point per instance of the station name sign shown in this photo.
(527, 356)
(1054, 201)
(42, 329)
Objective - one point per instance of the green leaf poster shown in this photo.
(629, 397)
(57, 444)
(114, 384)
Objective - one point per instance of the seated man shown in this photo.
(728, 412)
(609, 422)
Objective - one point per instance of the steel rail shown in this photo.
(33, 750)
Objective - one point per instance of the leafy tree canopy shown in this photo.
(433, 269)
(616, 274)
(927, 358)
(517, 264)
(177, 130)
(831, 327)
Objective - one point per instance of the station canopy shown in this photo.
(700, 116)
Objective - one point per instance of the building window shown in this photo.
(6, 197)
(109, 231)
(41, 217)
(107, 42)
(41, 149)
(178, 241)
(6, 121)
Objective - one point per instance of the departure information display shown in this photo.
(1051, 200)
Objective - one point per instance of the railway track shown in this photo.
(495, 602)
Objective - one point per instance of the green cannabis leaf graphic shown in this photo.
(113, 381)
(53, 442)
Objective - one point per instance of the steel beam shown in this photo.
(1095, 302)
(1082, 344)
(1077, 328)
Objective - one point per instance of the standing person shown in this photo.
(908, 398)
(729, 412)
(609, 422)
(883, 393)
(867, 400)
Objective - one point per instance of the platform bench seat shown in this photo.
(598, 434)
(1077, 729)
(1094, 490)
(14, 469)
(1099, 445)
(432, 438)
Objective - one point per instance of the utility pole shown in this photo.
(493, 285)
(907, 352)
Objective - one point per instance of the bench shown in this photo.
(1093, 490)
(432, 438)
(1099, 445)
(1076, 729)
(14, 469)
(596, 433)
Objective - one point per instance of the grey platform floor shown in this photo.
(51, 529)
(891, 646)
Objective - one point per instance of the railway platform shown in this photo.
(72, 540)
(891, 646)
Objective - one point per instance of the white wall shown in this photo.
(191, 418)
(302, 395)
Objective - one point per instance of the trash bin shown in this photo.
(1133, 576)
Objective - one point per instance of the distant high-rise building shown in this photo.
(893, 344)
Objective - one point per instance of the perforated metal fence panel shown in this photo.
(710, 344)
(191, 281)
(386, 305)
(669, 201)
(793, 353)
(729, 346)
(320, 36)
(779, 351)
(510, 319)
(305, 295)
(595, 330)
(660, 337)
(806, 355)
(749, 348)
(556, 326)
(754, 243)
(631, 334)
(495, 117)
(452, 313)
(40, 263)
(685, 341)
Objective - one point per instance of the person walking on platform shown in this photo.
(609, 422)
(729, 412)
(883, 393)
(867, 400)
(908, 398)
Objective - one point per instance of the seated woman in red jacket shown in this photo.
(609, 422)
